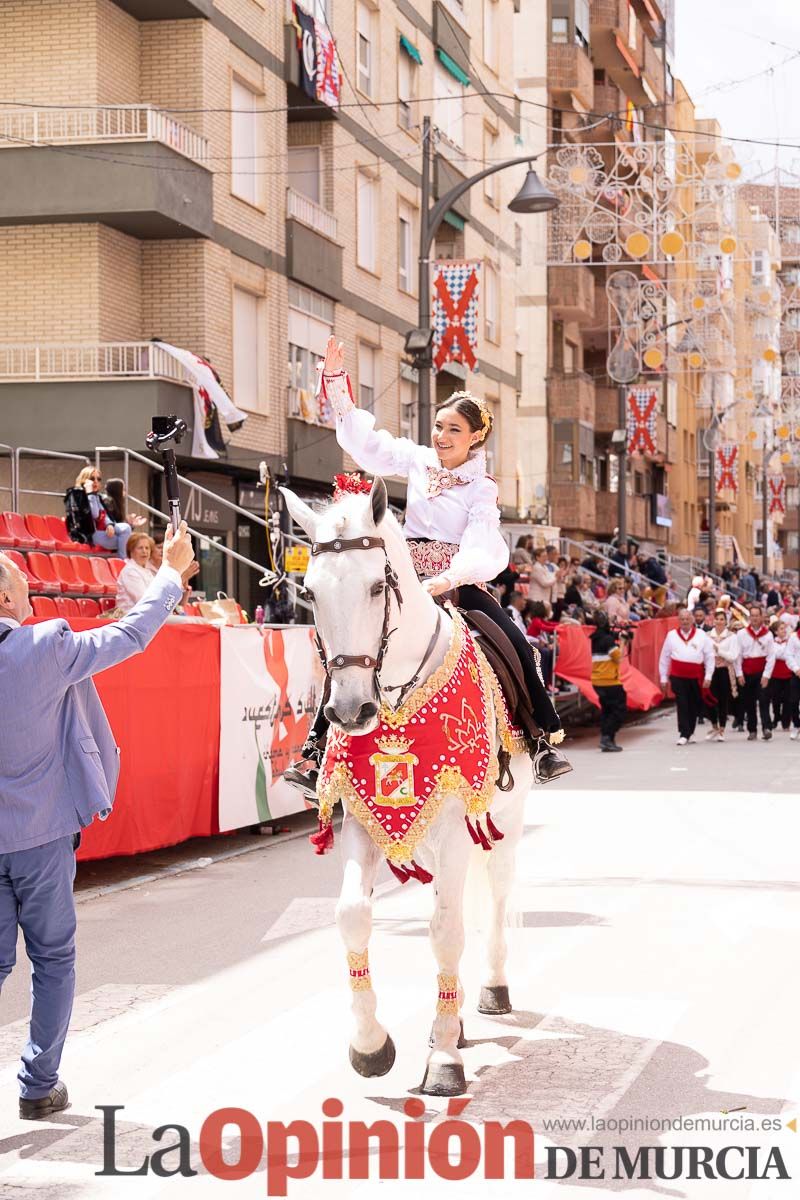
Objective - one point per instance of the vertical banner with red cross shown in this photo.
(329, 84)
(726, 467)
(455, 313)
(777, 494)
(642, 410)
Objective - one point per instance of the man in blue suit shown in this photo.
(58, 770)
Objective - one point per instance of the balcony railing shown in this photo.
(29, 363)
(307, 212)
(117, 123)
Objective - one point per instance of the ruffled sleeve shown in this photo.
(374, 450)
(482, 552)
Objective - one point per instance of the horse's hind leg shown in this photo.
(494, 998)
(444, 1074)
(372, 1051)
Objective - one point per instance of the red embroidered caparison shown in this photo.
(439, 743)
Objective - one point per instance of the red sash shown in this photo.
(754, 666)
(686, 670)
(781, 669)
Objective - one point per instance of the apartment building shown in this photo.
(173, 171)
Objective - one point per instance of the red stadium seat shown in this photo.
(64, 567)
(35, 584)
(15, 528)
(105, 575)
(44, 606)
(84, 569)
(39, 530)
(66, 606)
(88, 608)
(107, 604)
(6, 536)
(58, 531)
(116, 565)
(42, 566)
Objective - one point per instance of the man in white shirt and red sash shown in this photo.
(687, 664)
(754, 671)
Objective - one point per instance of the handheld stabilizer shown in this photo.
(167, 431)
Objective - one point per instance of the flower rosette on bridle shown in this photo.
(439, 743)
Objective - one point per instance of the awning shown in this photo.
(452, 218)
(450, 65)
(410, 49)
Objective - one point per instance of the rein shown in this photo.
(338, 662)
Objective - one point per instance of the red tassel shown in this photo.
(494, 832)
(422, 875)
(322, 840)
(484, 841)
(476, 839)
(399, 872)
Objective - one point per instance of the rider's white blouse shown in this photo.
(459, 507)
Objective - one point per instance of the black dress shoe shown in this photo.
(45, 1106)
(304, 781)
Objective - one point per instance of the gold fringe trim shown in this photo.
(359, 962)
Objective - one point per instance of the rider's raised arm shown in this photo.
(482, 552)
(373, 450)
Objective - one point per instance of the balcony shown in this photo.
(790, 244)
(301, 208)
(652, 67)
(606, 410)
(300, 106)
(62, 387)
(167, 10)
(573, 506)
(571, 292)
(311, 257)
(140, 171)
(570, 397)
(570, 75)
(117, 123)
(611, 50)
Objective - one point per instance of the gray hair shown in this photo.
(5, 574)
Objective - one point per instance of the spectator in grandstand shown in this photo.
(515, 608)
(116, 502)
(157, 550)
(108, 533)
(521, 555)
(543, 581)
(137, 574)
(615, 604)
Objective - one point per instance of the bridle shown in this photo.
(338, 662)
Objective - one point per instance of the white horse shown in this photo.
(352, 594)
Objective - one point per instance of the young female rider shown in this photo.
(452, 520)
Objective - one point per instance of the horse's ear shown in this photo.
(305, 517)
(378, 500)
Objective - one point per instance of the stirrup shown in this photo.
(304, 781)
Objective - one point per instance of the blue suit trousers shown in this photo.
(36, 896)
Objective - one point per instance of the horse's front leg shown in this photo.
(372, 1051)
(509, 812)
(444, 1074)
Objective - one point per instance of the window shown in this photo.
(491, 305)
(409, 423)
(245, 180)
(405, 248)
(559, 30)
(249, 389)
(310, 324)
(367, 220)
(570, 357)
(631, 27)
(448, 106)
(760, 268)
(406, 89)
(367, 378)
(490, 156)
(583, 25)
(792, 497)
(304, 171)
(490, 32)
(365, 48)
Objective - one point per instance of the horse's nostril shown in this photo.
(330, 713)
(367, 712)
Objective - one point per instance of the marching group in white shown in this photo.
(749, 672)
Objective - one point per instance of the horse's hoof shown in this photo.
(460, 1044)
(378, 1063)
(494, 1001)
(444, 1079)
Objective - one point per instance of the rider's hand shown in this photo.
(334, 357)
(437, 585)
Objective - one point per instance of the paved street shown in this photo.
(654, 973)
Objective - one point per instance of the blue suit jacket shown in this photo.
(58, 761)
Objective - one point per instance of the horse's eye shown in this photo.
(376, 589)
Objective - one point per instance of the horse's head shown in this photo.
(348, 588)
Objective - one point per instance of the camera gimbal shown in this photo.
(167, 430)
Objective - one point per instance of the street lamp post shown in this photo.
(532, 197)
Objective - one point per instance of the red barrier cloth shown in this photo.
(638, 673)
(163, 706)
